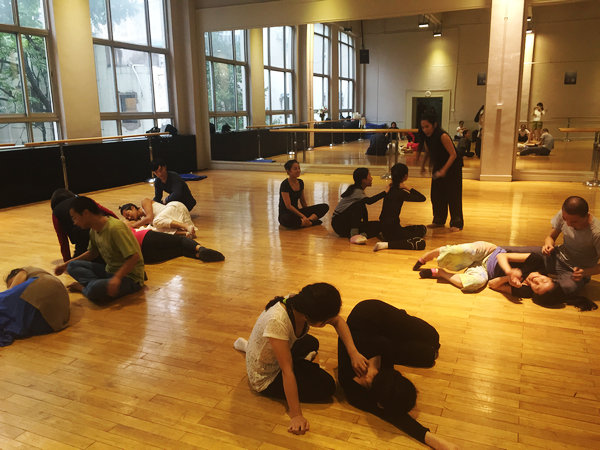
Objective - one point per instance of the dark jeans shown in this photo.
(353, 217)
(95, 280)
(315, 385)
(537, 150)
(446, 194)
(158, 247)
(397, 235)
(290, 220)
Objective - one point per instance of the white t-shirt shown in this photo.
(581, 247)
(261, 364)
(165, 214)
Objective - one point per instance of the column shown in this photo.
(503, 89)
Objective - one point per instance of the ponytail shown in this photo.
(318, 302)
(358, 175)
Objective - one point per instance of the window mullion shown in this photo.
(23, 74)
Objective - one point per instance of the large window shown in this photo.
(278, 44)
(130, 48)
(321, 63)
(227, 78)
(347, 73)
(27, 110)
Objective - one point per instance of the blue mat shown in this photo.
(192, 177)
(262, 160)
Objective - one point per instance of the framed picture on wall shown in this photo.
(481, 78)
(570, 77)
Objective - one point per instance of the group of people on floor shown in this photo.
(109, 254)
(350, 218)
(376, 336)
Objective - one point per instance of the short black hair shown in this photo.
(289, 163)
(12, 274)
(576, 205)
(430, 117)
(59, 195)
(158, 162)
(82, 203)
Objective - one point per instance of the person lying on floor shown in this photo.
(386, 336)
(172, 218)
(519, 274)
(159, 247)
(35, 302)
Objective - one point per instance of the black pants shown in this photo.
(315, 385)
(416, 342)
(353, 217)
(290, 220)
(158, 247)
(537, 150)
(397, 235)
(446, 194)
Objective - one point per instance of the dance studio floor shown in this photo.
(157, 369)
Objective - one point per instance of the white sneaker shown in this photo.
(358, 239)
(240, 344)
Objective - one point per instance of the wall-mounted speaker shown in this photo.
(364, 56)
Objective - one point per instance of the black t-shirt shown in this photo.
(393, 201)
(533, 263)
(177, 188)
(438, 153)
(294, 195)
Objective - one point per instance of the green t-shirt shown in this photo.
(115, 243)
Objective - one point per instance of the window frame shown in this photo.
(119, 116)
(350, 48)
(269, 69)
(214, 115)
(325, 78)
(29, 118)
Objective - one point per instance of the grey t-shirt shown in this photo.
(581, 248)
(547, 141)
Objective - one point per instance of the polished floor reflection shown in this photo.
(158, 370)
(575, 155)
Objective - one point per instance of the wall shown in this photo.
(405, 58)
(567, 38)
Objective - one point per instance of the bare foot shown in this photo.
(455, 229)
(75, 287)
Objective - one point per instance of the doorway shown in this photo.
(425, 105)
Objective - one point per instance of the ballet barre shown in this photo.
(595, 151)
(355, 130)
(258, 128)
(62, 142)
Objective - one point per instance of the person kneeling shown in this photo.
(114, 241)
(386, 336)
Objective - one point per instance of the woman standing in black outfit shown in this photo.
(386, 335)
(446, 181)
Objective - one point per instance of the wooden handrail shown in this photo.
(7, 145)
(345, 130)
(91, 139)
(259, 127)
(580, 130)
(308, 122)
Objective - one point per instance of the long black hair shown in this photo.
(318, 302)
(358, 175)
(394, 392)
(399, 172)
(127, 207)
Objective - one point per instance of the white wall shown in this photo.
(406, 58)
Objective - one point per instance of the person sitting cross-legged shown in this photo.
(110, 238)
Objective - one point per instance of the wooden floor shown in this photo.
(573, 156)
(157, 369)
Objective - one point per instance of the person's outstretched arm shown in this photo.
(63, 239)
(90, 255)
(550, 240)
(298, 424)
(359, 362)
(147, 219)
